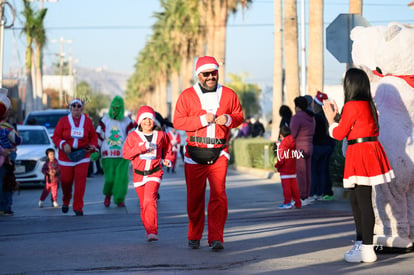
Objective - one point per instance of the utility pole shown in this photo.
(61, 55)
(3, 25)
(1, 41)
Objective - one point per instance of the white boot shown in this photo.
(367, 253)
(354, 254)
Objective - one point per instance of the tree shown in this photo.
(39, 38)
(28, 27)
(215, 14)
(35, 33)
(277, 67)
(248, 94)
(291, 51)
(316, 47)
(355, 6)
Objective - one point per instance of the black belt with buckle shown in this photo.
(208, 140)
(147, 172)
(364, 139)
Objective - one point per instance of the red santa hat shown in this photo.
(76, 100)
(206, 63)
(320, 97)
(146, 112)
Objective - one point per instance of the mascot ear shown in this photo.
(392, 32)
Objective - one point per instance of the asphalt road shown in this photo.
(259, 238)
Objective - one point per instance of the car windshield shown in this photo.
(32, 137)
(47, 120)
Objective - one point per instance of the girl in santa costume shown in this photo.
(146, 147)
(366, 164)
(76, 139)
(112, 131)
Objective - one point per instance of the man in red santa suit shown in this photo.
(207, 111)
(76, 139)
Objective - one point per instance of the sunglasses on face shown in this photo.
(213, 73)
(76, 106)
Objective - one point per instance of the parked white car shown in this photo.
(31, 154)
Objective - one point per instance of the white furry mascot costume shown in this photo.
(387, 55)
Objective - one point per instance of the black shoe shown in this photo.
(216, 245)
(65, 208)
(78, 213)
(194, 244)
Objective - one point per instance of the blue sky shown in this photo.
(110, 34)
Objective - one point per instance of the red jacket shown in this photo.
(146, 156)
(63, 134)
(286, 157)
(191, 108)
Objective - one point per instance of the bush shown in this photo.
(253, 152)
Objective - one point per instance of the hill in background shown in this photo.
(102, 80)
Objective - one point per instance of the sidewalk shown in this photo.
(259, 238)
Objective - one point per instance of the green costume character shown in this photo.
(112, 131)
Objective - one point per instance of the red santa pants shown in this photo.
(77, 174)
(291, 191)
(196, 176)
(50, 187)
(147, 195)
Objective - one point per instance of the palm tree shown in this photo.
(277, 67)
(28, 27)
(315, 53)
(215, 14)
(355, 6)
(291, 51)
(39, 37)
(35, 32)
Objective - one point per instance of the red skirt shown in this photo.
(366, 164)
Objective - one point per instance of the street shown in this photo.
(258, 237)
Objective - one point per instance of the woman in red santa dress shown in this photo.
(366, 164)
(76, 139)
(146, 148)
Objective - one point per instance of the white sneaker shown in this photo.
(55, 204)
(304, 202)
(310, 200)
(40, 204)
(317, 198)
(367, 253)
(354, 254)
(151, 237)
(285, 206)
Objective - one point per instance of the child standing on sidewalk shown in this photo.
(145, 148)
(52, 174)
(286, 166)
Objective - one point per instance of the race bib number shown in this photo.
(76, 132)
(150, 155)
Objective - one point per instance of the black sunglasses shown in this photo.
(213, 73)
(76, 106)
